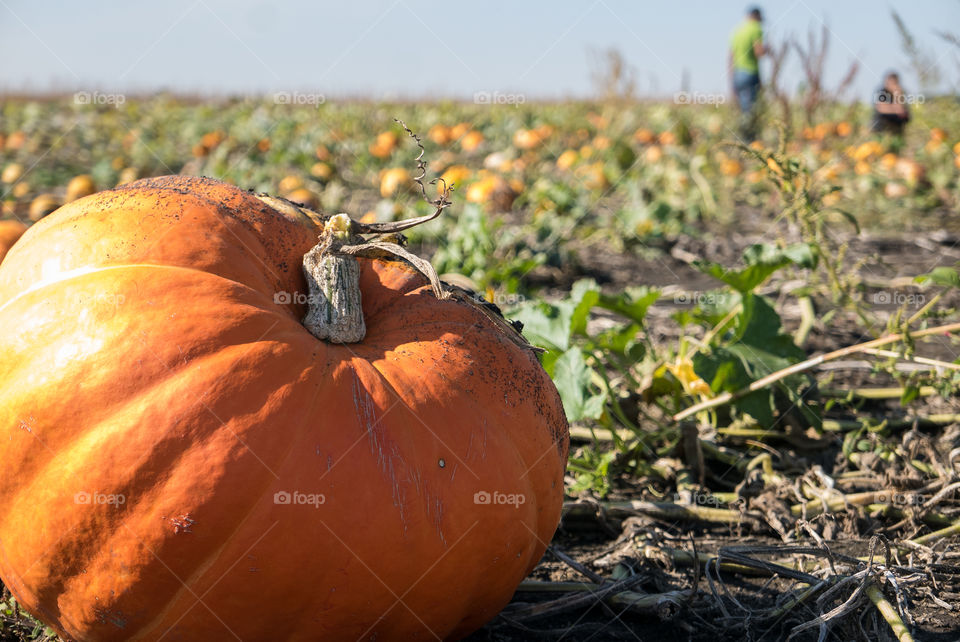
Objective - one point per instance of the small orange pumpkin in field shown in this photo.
(321, 170)
(16, 140)
(43, 205)
(181, 456)
(731, 167)
(12, 173)
(471, 141)
(644, 136)
(304, 197)
(567, 159)
(459, 130)
(910, 170)
(455, 175)
(290, 183)
(384, 145)
(127, 175)
(593, 176)
(667, 138)
(440, 134)
(20, 190)
(530, 138)
(80, 186)
(393, 180)
(894, 189)
(10, 232)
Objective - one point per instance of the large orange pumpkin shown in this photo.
(10, 232)
(182, 460)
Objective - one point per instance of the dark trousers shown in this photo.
(746, 85)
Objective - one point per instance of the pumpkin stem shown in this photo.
(334, 311)
(333, 274)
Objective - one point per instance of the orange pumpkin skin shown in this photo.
(163, 393)
(10, 232)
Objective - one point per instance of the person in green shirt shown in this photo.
(746, 47)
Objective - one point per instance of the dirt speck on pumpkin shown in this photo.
(181, 524)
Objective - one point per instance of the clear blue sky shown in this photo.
(414, 48)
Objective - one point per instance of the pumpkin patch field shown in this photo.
(441, 370)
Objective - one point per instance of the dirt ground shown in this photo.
(633, 552)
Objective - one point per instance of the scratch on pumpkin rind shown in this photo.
(385, 450)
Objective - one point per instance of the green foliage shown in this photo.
(572, 376)
(597, 371)
(761, 262)
(21, 625)
(944, 276)
(468, 246)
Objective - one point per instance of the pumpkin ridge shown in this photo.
(403, 324)
(428, 502)
(96, 433)
(265, 240)
(172, 602)
(389, 375)
(64, 277)
(286, 334)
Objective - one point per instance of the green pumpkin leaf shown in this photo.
(762, 261)
(800, 254)
(940, 276)
(545, 325)
(621, 340)
(759, 405)
(572, 376)
(633, 303)
(551, 325)
(909, 394)
(584, 295)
